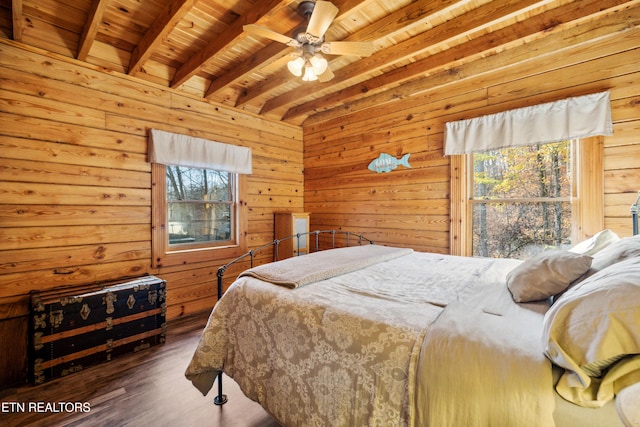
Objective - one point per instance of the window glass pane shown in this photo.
(200, 205)
(301, 227)
(520, 230)
(197, 184)
(523, 172)
(514, 214)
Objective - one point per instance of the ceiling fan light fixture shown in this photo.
(309, 43)
(295, 66)
(319, 64)
(309, 74)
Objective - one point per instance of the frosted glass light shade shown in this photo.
(309, 75)
(319, 64)
(295, 66)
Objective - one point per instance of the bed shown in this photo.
(373, 335)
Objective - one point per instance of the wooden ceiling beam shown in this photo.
(16, 19)
(575, 39)
(410, 16)
(158, 32)
(264, 88)
(90, 29)
(450, 33)
(269, 54)
(193, 65)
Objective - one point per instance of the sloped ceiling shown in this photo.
(200, 47)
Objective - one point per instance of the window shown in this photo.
(197, 215)
(200, 206)
(514, 202)
(197, 193)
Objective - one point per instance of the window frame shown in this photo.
(165, 255)
(588, 197)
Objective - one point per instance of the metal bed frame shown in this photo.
(221, 398)
(635, 210)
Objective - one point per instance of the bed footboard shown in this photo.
(220, 398)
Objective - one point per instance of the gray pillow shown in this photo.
(546, 275)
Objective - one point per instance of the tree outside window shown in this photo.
(200, 205)
(521, 200)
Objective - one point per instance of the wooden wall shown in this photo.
(410, 207)
(75, 186)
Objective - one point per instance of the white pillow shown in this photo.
(595, 243)
(546, 275)
(595, 324)
(620, 250)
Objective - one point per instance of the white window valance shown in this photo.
(169, 148)
(571, 118)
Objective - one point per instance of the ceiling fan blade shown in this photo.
(326, 76)
(269, 34)
(348, 48)
(321, 18)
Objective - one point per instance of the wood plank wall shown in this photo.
(75, 186)
(410, 207)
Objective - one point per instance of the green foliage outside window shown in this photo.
(522, 200)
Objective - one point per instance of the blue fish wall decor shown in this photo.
(386, 163)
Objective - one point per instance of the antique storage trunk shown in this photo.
(72, 329)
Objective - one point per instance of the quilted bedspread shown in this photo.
(343, 350)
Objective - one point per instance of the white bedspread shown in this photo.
(346, 351)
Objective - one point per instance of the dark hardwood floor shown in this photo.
(142, 389)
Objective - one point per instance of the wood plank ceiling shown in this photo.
(199, 46)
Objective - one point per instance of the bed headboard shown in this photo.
(349, 238)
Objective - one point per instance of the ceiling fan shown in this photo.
(309, 42)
